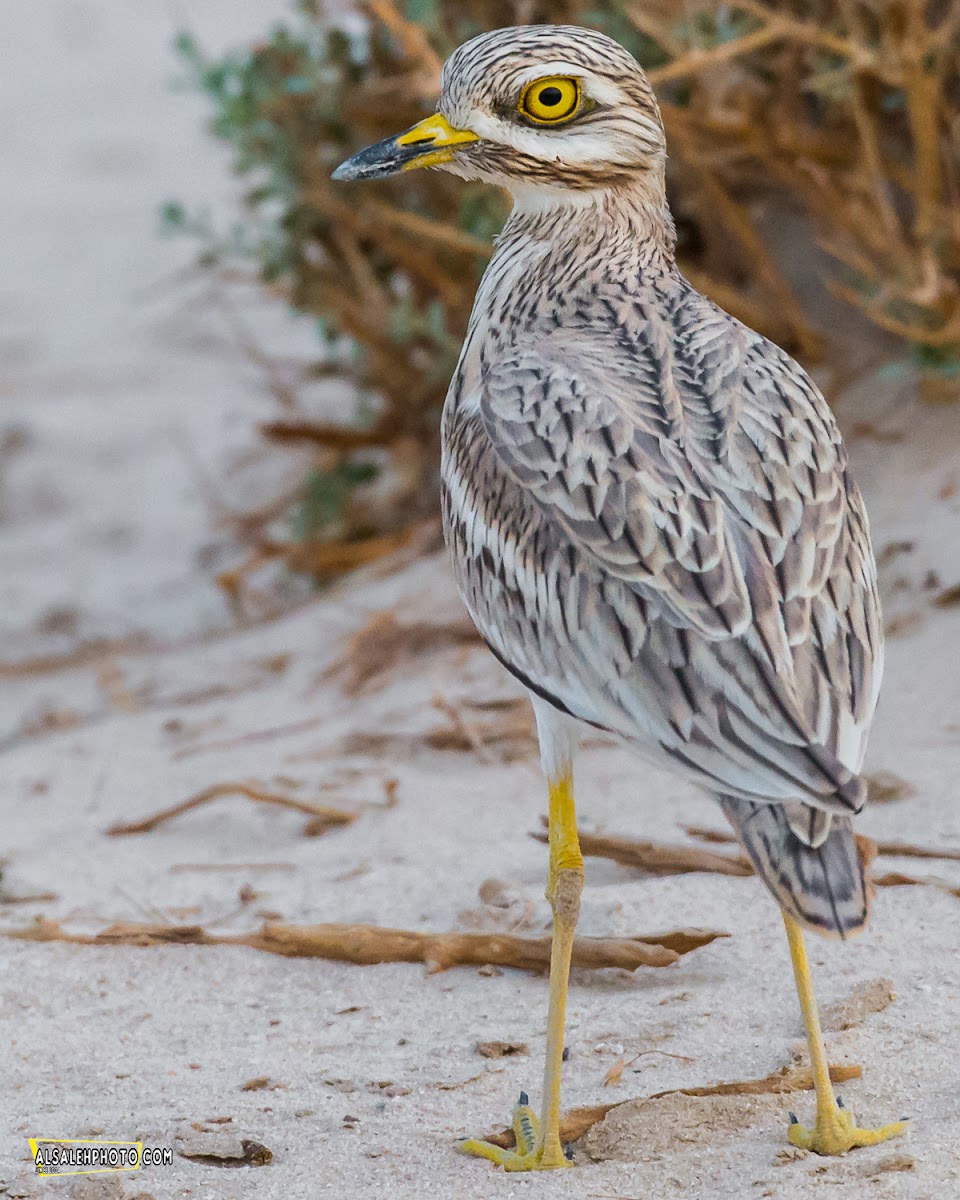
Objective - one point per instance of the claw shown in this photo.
(525, 1126)
(839, 1102)
(794, 1119)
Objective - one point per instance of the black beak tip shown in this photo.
(372, 162)
(347, 170)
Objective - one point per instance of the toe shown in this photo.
(873, 1137)
(525, 1125)
(480, 1149)
(798, 1135)
(836, 1133)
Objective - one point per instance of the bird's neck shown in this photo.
(629, 226)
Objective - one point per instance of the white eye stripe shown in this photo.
(602, 91)
(553, 67)
(574, 147)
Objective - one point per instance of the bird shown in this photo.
(650, 512)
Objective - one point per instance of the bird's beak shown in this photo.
(427, 144)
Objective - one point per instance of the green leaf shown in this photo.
(326, 496)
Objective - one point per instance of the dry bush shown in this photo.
(852, 110)
(847, 109)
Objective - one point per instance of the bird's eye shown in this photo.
(550, 101)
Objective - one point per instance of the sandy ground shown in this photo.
(373, 1072)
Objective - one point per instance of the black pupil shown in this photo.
(550, 96)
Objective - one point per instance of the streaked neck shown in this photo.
(634, 222)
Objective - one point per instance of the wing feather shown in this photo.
(686, 461)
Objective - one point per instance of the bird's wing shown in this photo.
(798, 496)
(587, 432)
(697, 465)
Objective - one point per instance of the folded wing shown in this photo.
(691, 464)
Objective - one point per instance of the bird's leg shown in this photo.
(835, 1131)
(538, 1142)
(564, 886)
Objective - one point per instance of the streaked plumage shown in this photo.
(650, 512)
(653, 522)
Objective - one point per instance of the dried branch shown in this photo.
(252, 737)
(508, 735)
(810, 34)
(330, 437)
(736, 218)
(778, 1083)
(330, 817)
(697, 60)
(657, 858)
(898, 879)
(325, 559)
(370, 944)
(412, 38)
(464, 727)
(385, 643)
(908, 850)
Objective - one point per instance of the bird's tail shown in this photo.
(811, 861)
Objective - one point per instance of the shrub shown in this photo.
(847, 109)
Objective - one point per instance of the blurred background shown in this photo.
(222, 579)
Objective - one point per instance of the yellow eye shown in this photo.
(550, 101)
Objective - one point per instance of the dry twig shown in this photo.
(325, 559)
(331, 817)
(508, 735)
(898, 879)
(385, 643)
(369, 944)
(656, 857)
(464, 727)
(788, 1079)
(413, 40)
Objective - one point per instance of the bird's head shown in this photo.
(534, 109)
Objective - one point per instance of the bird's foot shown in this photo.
(531, 1154)
(835, 1132)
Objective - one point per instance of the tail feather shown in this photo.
(823, 886)
(811, 825)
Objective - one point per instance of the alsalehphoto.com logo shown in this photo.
(79, 1156)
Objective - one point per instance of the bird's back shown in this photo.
(654, 526)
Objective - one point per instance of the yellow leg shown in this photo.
(538, 1142)
(835, 1131)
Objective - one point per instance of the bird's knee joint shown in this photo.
(565, 899)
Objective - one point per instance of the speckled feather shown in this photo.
(649, 506)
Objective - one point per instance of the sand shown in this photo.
(372, 1073)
